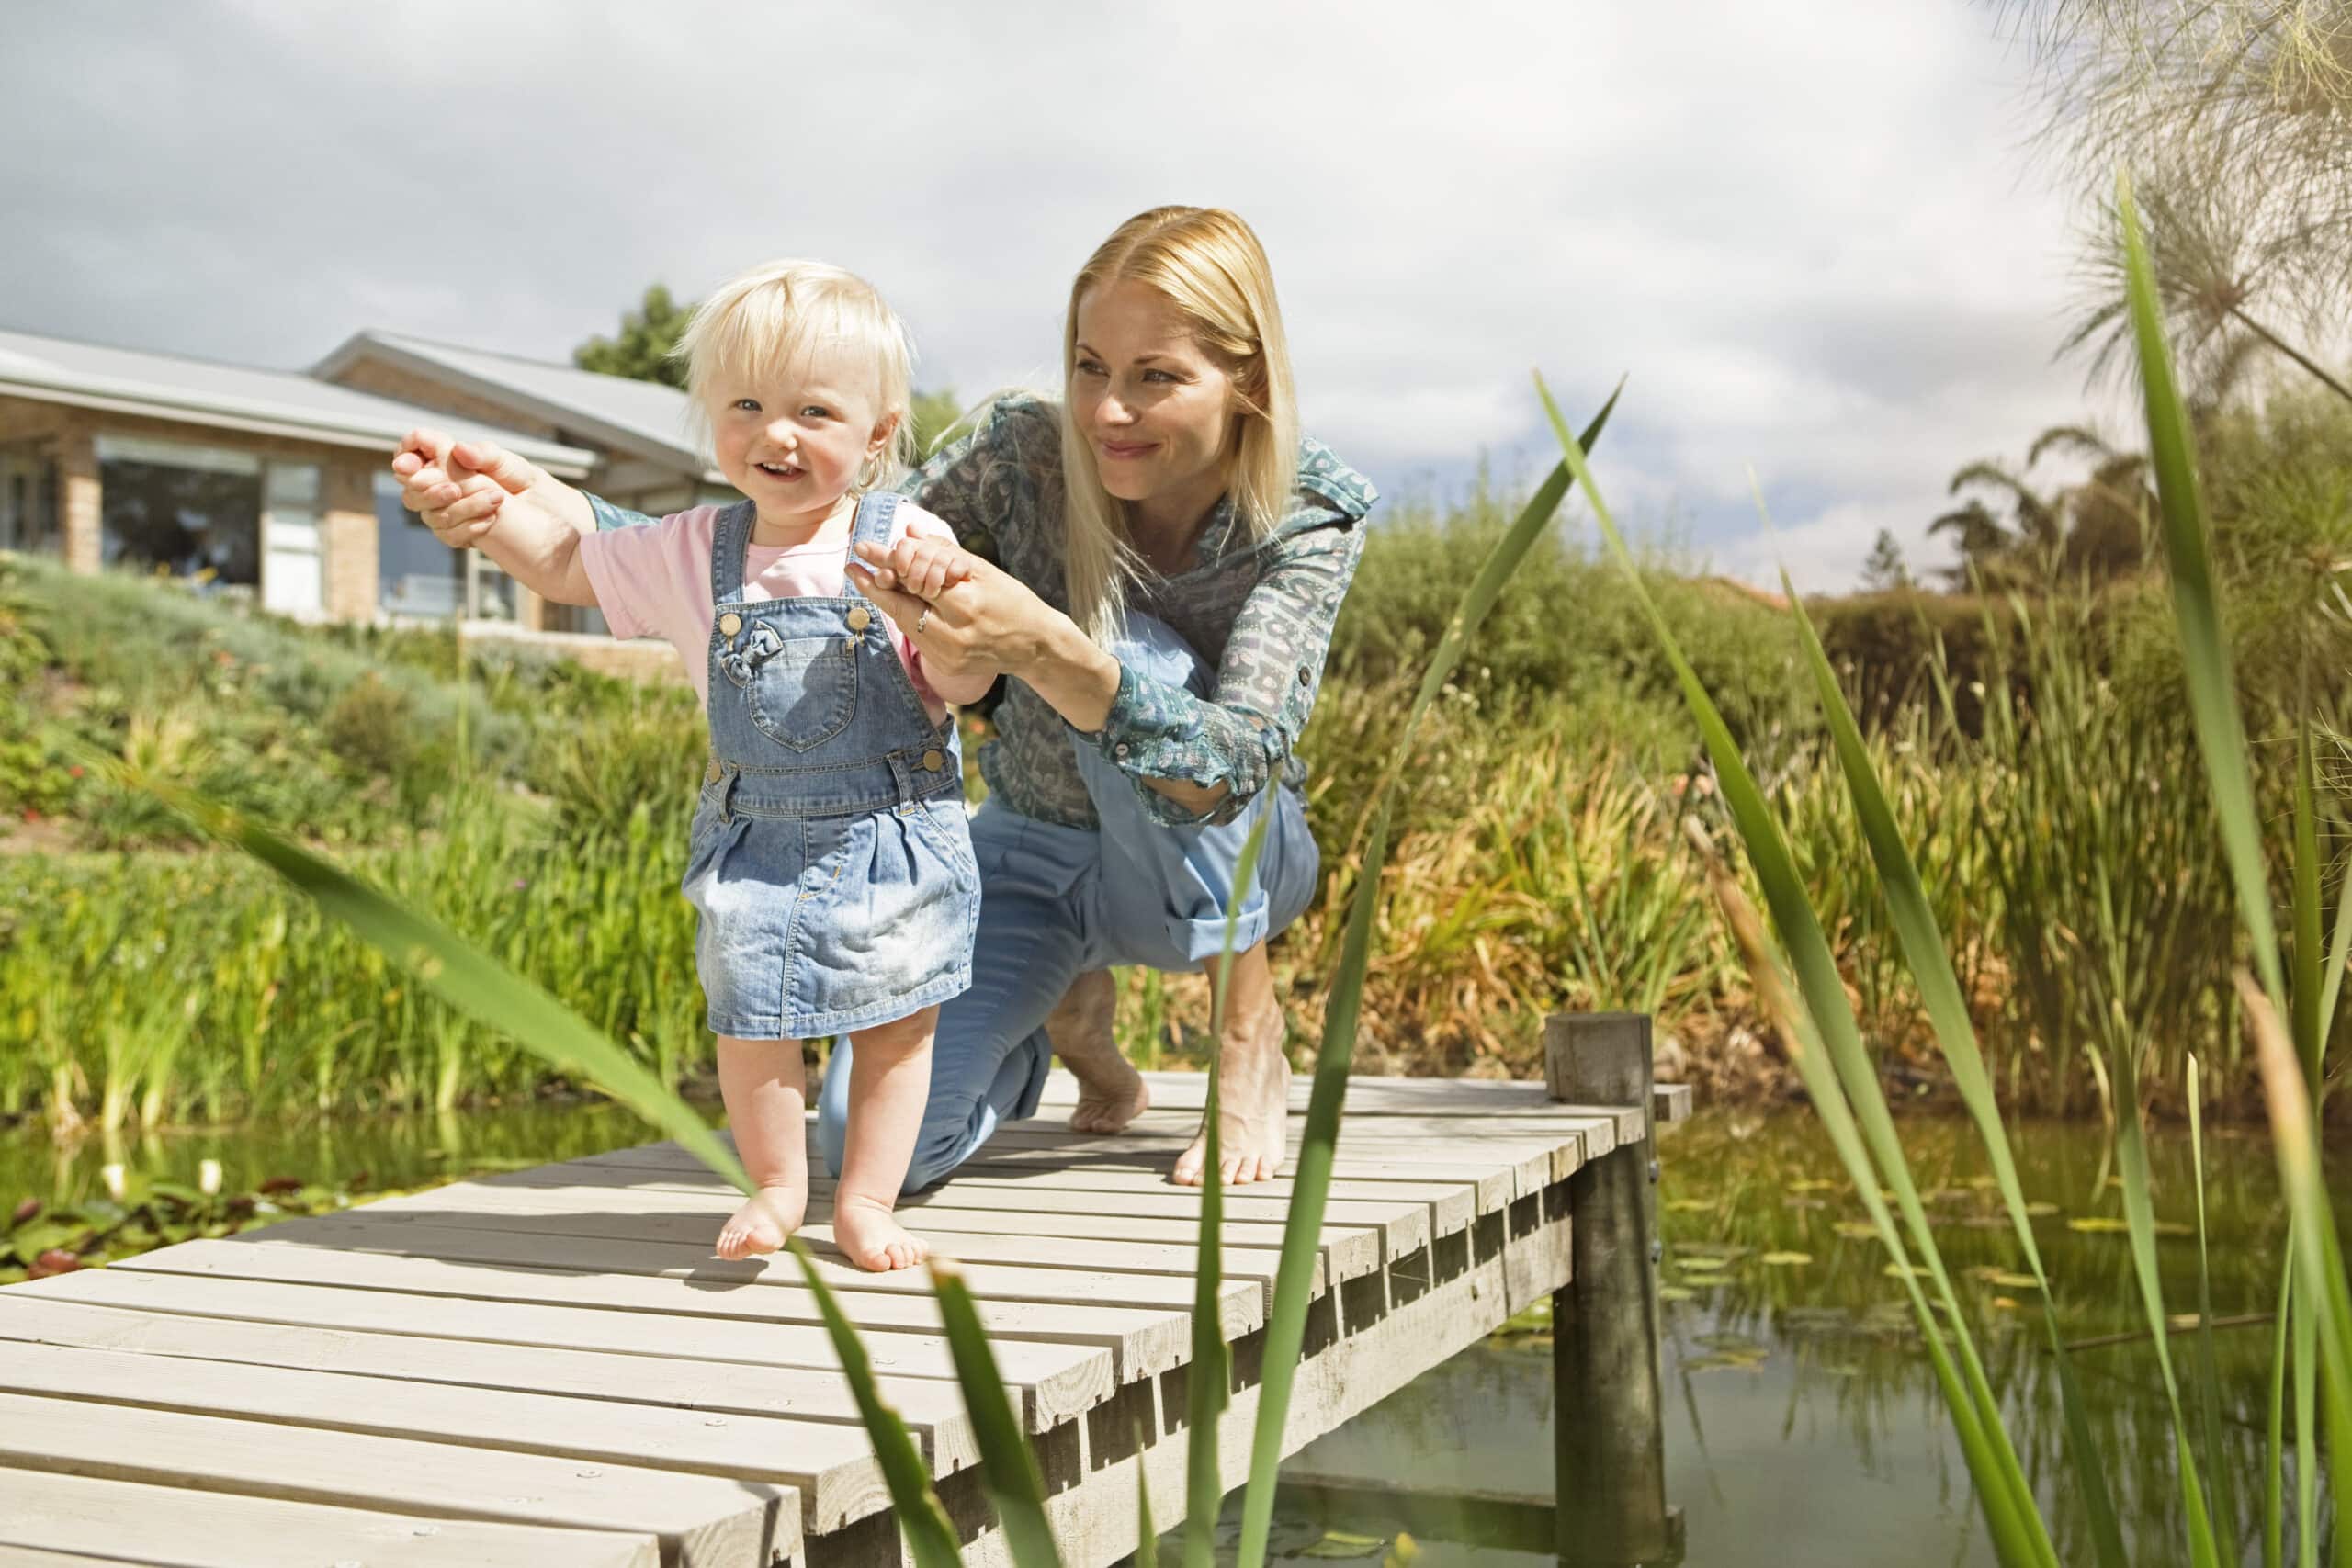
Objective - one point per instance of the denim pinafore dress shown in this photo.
(831, 863)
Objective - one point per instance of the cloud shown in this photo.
(1807, 233)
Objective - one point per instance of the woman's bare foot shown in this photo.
(1111, 1093)
(1253, 1110)
(761, 1225)
(869, 1234)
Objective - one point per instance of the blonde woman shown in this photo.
(1162, 557)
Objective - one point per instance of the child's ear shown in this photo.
(883, 429)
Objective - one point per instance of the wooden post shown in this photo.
(1609, 1434)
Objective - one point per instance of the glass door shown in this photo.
(293, 575)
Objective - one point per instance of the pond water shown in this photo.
(1803, 1422)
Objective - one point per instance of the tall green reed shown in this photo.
(1847, 1096)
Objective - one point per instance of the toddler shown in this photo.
(830, 862)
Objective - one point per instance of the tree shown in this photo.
(1884, 571)
(2236, 118)
(644, 349)
(1983, 542)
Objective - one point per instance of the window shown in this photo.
(28, 499)
(418, 575)
(192, 511)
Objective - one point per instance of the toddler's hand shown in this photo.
(925, 566)
(458, 502)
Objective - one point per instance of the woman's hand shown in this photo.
(441, 482)
(990, 624)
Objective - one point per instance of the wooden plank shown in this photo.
(350, 1230)
(1142, 1341)
(1494, 1184)
(700, 1521)
(1521, 1168)
(1505, 1138)
(1096, 1523)
(831, 1467)
(94, 1310)
(1673, 1102)
(1347, 1251)
(1366, 1097)
(1449, 1207)
(1399, 1227)
(1057, 1271)
(1058, 1380)
(122, 1521)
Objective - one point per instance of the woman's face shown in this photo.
(1157, 410)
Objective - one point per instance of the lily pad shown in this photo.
(1676, 1293)
(1785, 1259)
(1340, 1545)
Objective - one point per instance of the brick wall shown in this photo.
(80, 523)
(347, 537)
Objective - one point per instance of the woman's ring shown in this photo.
(920, 619)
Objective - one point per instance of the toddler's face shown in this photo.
(795, 444)
(1157, 410)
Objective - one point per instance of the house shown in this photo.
(274, 484)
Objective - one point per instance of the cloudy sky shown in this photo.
(1810, 233)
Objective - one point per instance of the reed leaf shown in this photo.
(2140, 1222)
(931, 1538)
(2006, 1494)
(1803, 1042)
(1146, 1536)
(1209, 1381)
(1008, 1465)
(2212, 689)
(1311, 1180)
(2208, 1368)
(1929, 956)
(2311, 1236)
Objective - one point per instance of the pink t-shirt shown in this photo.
(655, 581)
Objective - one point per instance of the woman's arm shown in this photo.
(1206, 758)
(1202, 758)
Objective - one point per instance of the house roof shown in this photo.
(643, 419)
(232, 397)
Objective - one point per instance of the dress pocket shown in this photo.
(805, 692)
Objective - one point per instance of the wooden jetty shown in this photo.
(548, 1367)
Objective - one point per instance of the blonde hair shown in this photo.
(1206, 262)
(758, 326)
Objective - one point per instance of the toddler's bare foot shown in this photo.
(761, 1225)
(1253, 1110)
(1111, 1093)
(871, 1237)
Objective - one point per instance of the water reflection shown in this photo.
(336, 1153)
(1803, 1423)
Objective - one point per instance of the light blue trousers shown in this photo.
(1059, 902)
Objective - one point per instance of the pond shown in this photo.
(1803, 1423)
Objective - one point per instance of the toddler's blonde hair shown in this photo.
(758, 325)
(1209, 263)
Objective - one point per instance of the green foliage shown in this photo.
(645, 349)
(1406, 586)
